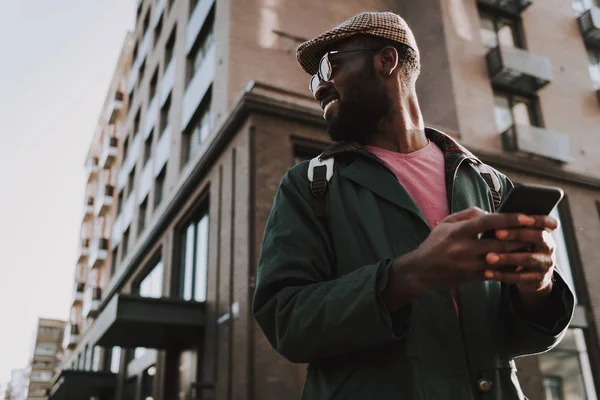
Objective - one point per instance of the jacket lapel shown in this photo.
(379, 180)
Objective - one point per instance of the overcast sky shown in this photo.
(58, 58)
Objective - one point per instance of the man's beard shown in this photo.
(360, 112)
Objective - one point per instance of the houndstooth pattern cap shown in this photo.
(383, 24)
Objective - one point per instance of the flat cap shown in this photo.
(386, 25)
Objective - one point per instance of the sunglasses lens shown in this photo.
(314, 83)
(325, 68)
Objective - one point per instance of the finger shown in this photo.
(530, 261)
(544, 222)
(485, 246)
(514, 278)
(493, 222)
(541, 239)
(465, 215)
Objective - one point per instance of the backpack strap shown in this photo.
(320, 173)
(493, 181)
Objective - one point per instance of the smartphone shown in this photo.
(529, 199)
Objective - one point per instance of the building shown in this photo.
(47, 353)
(18, 385)
(217, 110)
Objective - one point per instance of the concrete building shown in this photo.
(217, 110)
(47, 354)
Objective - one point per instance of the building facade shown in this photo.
(47, 354)
(217, 110)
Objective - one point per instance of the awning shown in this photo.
(131, 321)
(81, 385)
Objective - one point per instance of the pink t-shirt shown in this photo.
(421, 173)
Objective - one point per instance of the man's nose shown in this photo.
(321, 90)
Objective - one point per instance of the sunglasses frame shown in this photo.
(317, 78)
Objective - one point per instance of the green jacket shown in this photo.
(319, 281)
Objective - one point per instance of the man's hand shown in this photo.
(534, 269)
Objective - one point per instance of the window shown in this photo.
(170, 46)
(142, 70)
(594, 66)
(96, 359)
(40, 364)
(146, 22)
(148, 148)
(120, 201)
(45, 350)
(164, 116)
(158, 30)
(142, 216)
(307, 151)
(566, 369)
(151, 284)
(171, 4)
(131, 96)
(194, 268)
(125, 147)
(193, 4)
(115, 360)
(200, 49)
(512, 110)
(89, 357)
(48, 330)
(136, 122)
(159, 186)
(135, 49)
(496, 30)
(198, 130)
(125, 243)
(41, 376)
(153, 84)
(113, 260)
(85, 355)
(130, 182)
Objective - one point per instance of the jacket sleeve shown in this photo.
(306, 312)
(536, 334)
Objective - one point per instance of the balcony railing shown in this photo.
(88, 210)
(92, 166)
(537, 141)
(115, 107)
(109, 153)
(511, 6)
(99, 253)
(518, 69)
(72, 333)
(93, 298)
(84, 250)
(589, 25)
(104, 200)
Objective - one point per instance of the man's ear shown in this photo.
(388, 61)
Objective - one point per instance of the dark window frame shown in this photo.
(515, 21)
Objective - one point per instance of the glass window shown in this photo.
(495, 30)
(41, 376)
(200, 128)
(159, 186)
(581, 6)
(170, 47)
(113, 260)
(200, 50)
(153, 84)
(89, 357)
(151, 285)
(142, 216)
(125, 244)
(195, 261)
(96, 359)
(594, 66)
(148, 148)
(45, 349)
(115, 360)
(510, 110)
(164, 116)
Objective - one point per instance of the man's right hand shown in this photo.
(452, 254)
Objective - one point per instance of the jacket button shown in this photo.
(484, 385)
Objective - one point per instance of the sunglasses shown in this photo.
(325, 69)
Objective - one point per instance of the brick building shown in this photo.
(216, 110)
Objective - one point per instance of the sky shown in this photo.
(57, 62)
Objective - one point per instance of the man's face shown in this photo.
(355, 99)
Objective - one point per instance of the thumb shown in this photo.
(465, 215)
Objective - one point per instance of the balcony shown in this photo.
(98, 253)
(155, 323)
(88, 210)
(84, 250)
(104, 200)
(77, 384)
(198, 86)
(151, 117)
(110, 147)
(589, 25)
(72, 335)
(518, 69)
(536, 141)
(91, 303)
(92, 167)
(196, 22)
(115, 107)
(167, 83)
(511, 6)
(158, 11)
(78, 289)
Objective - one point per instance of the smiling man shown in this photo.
(371, 268)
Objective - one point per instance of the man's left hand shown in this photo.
(530, 271)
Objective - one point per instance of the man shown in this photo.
(381, 283)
